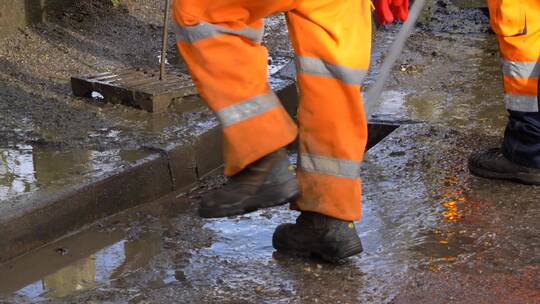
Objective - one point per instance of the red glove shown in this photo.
(388, 10)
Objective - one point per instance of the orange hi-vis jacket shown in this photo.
(220, 40)
(517, 25)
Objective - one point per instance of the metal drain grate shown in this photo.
(137, 87)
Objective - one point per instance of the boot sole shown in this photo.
(270, 196)
(522, 178)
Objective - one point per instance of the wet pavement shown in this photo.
(432, 233)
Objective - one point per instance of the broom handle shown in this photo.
(374, 92)
(165, 39)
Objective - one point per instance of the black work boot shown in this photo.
(268, 182)
(493, 164)
(318, 235)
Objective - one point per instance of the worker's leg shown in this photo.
(521, 68)
(517, 25)
(220, 40)
(332, 40)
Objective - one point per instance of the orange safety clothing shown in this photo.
(517, 25)
(220, 40)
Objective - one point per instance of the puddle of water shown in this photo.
(186, 117)
(84, 261)
(459, 86)
(247, 238)
(392, 105)
(26, 169)
(94, 258)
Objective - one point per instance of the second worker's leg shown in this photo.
(519, 40)
(221, 46)
(332, 40)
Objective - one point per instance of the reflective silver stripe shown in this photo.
(521, 103)
(330, 166)
(205, 30)
(315, 66)
(521, 69)
(247, 109)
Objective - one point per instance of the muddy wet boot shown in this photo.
(318, 235)
(493, 164)
(267, 182)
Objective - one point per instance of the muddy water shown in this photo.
(28, 165)
(26, 169)
(445, 80)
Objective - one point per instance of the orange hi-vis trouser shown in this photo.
(220, 40)
(517, 25)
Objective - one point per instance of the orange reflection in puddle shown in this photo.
(453, 199)
(452, 212)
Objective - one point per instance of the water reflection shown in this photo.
(16, 171)
(393, 104)
(461, 93)
(92, 259)
(453, 199)
(80, 275)
(25, 169)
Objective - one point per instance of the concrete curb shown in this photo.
(34, 223)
